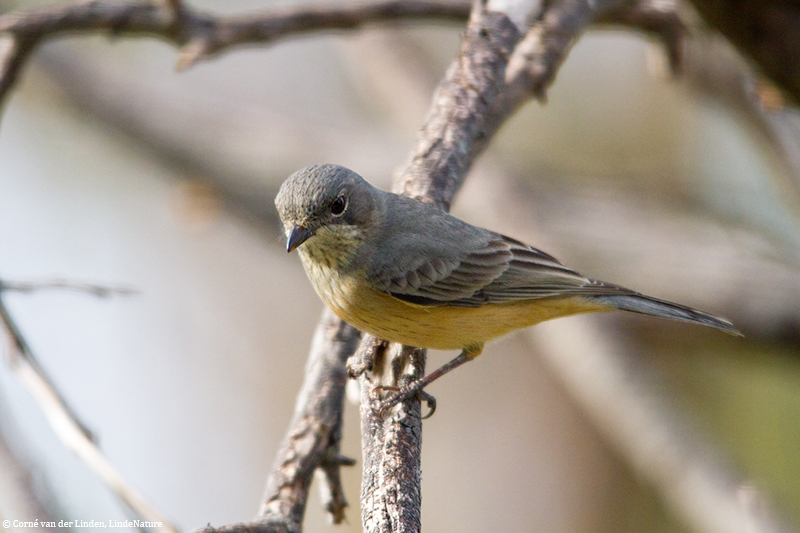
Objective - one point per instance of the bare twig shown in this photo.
(64, 421)
(536, 60)
(714, 69)
(663, 18)
(94, 289)
(316, 428)
(313, 438)
(459, 124)
(199, 35)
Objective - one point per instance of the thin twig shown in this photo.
(666, 19)
(94, 289)
(20, 354)
(536, 60)
(316, 431)
(72, 433)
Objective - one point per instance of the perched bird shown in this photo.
(408, 272)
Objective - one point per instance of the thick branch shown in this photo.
(472, 102)
(454, 134)
(317, 424)
(459, 125)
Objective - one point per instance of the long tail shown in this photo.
(647, 305)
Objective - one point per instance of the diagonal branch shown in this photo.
(19, 350)
(63, 420)
(315, 432)
(313, 438)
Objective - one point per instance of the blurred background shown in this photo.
(115, 169)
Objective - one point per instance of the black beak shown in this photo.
(297, 236)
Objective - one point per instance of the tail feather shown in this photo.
(647, 305)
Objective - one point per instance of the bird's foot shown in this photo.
(403, 393)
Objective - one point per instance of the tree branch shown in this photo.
(476, 96)
(460, 122)
(199, 35)
(665, 19)
(766, 32)
(454, 134)
(313, 438)
(63, 420)
(463, 119)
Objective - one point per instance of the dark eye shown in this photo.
(338, 206)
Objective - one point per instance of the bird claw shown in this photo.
(402, 394)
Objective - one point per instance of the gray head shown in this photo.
(326, 200)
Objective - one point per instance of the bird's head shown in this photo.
(329, 207)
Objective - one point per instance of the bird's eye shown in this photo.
(338, 206)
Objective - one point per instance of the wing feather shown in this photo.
(499, 269)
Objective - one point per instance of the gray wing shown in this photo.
(473, 268)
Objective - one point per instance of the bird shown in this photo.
(408, 272)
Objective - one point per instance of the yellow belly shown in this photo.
(442, 328)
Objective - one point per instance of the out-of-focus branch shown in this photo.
(62, 418)
(616, 391)
(228, 185)
(20, 498)
(18, 348)
(620, 394)
(765, 31)
(313, 438)
(714, 69)
(664, 19)
(94, 289)
(199, 35)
